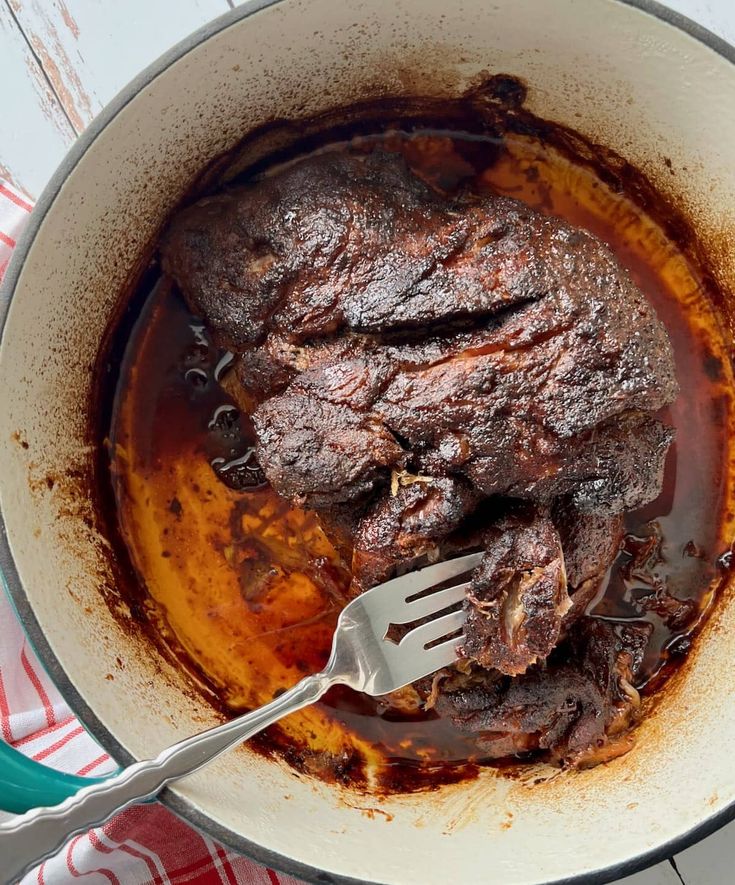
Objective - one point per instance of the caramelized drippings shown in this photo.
(247, 589)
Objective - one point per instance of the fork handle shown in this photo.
(35, 835)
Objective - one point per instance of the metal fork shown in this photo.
(364, 656)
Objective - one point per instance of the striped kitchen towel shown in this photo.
(145, 844)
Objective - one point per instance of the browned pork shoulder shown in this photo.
(437, 373)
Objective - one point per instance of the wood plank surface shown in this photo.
(711, 861)
(661, 874)
(34, 133)
(90, 49)
(716, 15)
(61, 62)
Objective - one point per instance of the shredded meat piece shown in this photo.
(590, 543)
(518, 597)
(646, 571)
(576, 707)
(400, 528)
(439, 373)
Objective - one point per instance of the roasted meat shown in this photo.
(590, 543)
(578, 707)
(434, 374)
(518, 596)
(407, 524)
(540, 571)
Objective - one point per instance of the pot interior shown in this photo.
(648, 90)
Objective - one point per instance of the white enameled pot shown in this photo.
(631, 76)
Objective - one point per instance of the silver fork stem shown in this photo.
(34, 836)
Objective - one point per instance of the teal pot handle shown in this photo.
(25, 784)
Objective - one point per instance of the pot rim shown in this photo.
(178, 804)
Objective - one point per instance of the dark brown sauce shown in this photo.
(246, 590)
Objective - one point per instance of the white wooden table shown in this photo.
(61, 61)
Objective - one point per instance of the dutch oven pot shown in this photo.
(631, 76)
